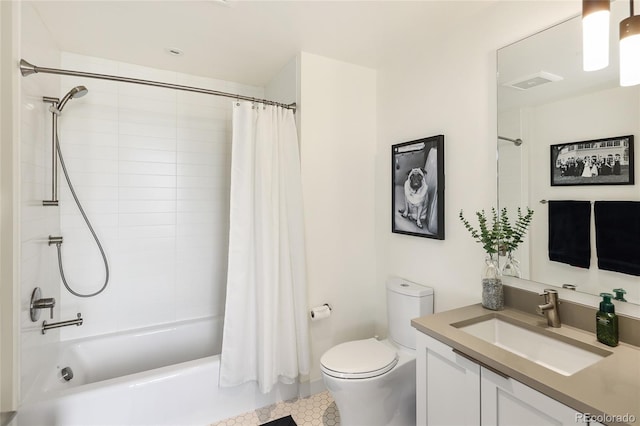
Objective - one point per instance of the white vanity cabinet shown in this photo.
(454, 390)
(505, 401)
(448, 385)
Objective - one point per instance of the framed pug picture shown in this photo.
(417, 187)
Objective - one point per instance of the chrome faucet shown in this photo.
(550, 308)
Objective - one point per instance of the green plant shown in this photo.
(487, 234)
(512, 234)
(498, 233)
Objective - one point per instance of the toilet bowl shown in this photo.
(373, 382)
(382, 392)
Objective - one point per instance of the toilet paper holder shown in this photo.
(320, 308)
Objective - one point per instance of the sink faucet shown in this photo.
(550, 308)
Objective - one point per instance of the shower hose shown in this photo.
(93, 233)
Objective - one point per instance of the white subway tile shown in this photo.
(197, 158)
(166, 121)
(200, 135)
(147, 130)
(136, 103)
(132, 193)
(132, 248)
(143, 206)
(87, 124)
(147, 168)
(146, 181)
(147, 142)
(155, 231)
(91, 165)
(146, 155)
(146, 219)
(88, 192)
(82, 180)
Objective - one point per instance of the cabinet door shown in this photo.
(508, 402)
(448, 385)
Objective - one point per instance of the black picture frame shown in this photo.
(418, 165)
(607, 161)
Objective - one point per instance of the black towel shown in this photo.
(618, 236)
(569, 232)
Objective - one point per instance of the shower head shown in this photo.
(76, 92)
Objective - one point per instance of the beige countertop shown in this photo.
(609, 387)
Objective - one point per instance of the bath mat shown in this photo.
(284, 421)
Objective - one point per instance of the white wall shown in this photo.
(574, 120)
(37, 261)
(283, 87)
(449, 88)
(151, 167)
(9, 272)
(338, 149)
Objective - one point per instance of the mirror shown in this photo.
(544, 99)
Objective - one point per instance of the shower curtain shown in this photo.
(265, 336)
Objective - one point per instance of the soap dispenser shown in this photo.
(620, 292)
(607, 321)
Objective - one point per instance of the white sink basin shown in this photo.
(550, 352)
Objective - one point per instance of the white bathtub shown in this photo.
(164, 375)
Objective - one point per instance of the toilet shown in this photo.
(373, 382)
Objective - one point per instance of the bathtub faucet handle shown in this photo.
(38, 303)
(46, 303)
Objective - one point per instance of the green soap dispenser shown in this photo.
(607, 321)
(620, 292)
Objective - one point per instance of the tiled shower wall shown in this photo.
(151, 167)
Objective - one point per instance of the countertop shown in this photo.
(610, 387)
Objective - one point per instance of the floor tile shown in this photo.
(315, 410)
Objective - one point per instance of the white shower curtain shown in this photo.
(265, 336)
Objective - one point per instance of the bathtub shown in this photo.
(163, 375)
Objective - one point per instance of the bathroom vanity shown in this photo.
(483, 367)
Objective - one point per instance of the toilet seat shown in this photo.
(359, 359)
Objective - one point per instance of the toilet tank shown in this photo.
(405, 301)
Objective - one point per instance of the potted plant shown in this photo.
(497, 235)
(489, 234)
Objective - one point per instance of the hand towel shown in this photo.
(569, 232)
(618, 236)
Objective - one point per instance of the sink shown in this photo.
(558, 353)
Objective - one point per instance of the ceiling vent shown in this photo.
(533, 80)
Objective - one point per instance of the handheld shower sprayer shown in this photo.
(56, 109)
(76, 92)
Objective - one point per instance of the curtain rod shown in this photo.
(516, 142)
(27, 69)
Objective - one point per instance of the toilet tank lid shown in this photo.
(402, 286)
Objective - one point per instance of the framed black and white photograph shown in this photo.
(597, 162)
(417, 178)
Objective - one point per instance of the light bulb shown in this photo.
(595, 40)
(630, 51)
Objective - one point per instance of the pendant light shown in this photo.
(630, 49)
(595, 34)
